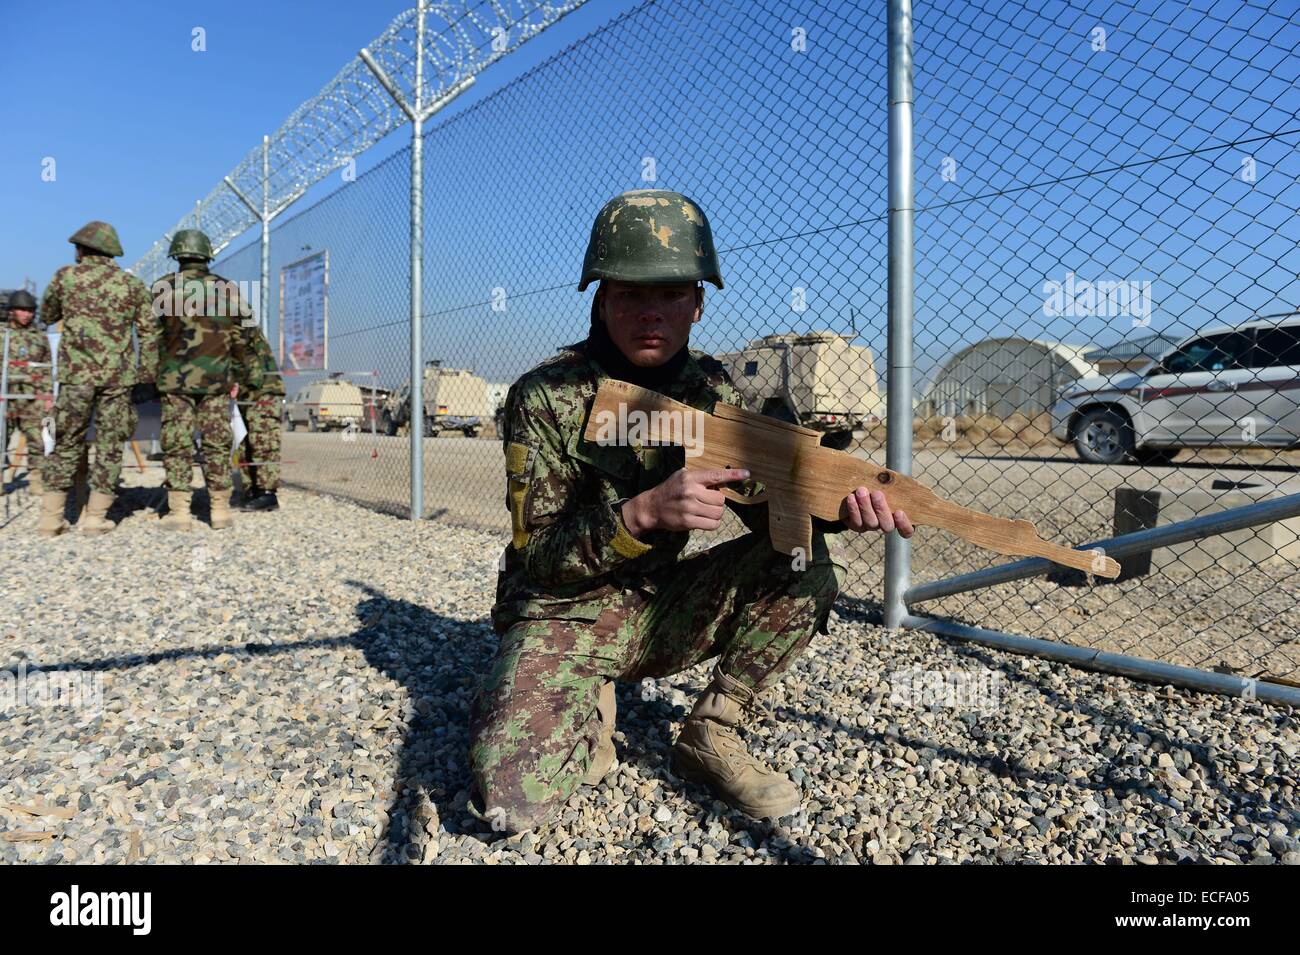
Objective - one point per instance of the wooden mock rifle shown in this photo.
(802, 480)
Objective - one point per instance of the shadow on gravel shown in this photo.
(438, 660)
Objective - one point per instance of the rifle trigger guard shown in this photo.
(733, 495)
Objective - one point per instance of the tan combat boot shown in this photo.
(710, 751)
(93, 518)
(52, 523)
(602, 760)
(221, 516)
(177, 517)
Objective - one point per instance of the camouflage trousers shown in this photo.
(182, 415)
(27, 417)
(114, 422)
(262, 416)
(534, 725)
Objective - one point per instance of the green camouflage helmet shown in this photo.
(651, 237)
(22, 300)
(190, 244)
(98, 237)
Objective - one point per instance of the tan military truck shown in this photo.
(820, 380)
(322, 405)
(455, 399)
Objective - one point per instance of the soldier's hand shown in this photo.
(866, 510)
(688, 500)
(234, 391)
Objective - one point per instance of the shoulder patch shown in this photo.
(519, 460)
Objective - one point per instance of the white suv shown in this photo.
(1227, 387)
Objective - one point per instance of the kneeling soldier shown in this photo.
(593, 587)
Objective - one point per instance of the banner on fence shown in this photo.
(304, 314)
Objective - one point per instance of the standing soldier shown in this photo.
(99, 305)
(201, 349)
(29, 374)
(593, 587)
(261, 408)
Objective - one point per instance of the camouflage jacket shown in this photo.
(202, 350)
(570, 551)
(260, 364)
(99, 305)
(29, 344)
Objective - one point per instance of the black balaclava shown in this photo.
(608, 356)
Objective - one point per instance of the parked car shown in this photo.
(1225, 387)
(322, 405)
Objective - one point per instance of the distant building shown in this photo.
(1130, 355)
(1004, 376)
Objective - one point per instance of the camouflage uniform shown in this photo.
(98, 304)
(201, 350)
(580, 601)
(29, 346)
(260, 406)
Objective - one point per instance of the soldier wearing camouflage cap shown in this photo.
(593, 588)
(200, 316)
(29, 380)
(98, 305)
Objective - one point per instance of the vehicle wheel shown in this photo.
(387, 424)
(839, 440)
(429, 430)
(471, 432)
(1103, 437)
(1155, 457)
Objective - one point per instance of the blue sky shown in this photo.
(784, 148)
(110, 91)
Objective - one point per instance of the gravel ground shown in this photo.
(296, 689)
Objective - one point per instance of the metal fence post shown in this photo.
(4, 421)
(898, 440)
(417, 280)
(266, 234)
(417, 112)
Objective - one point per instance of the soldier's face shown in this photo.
(650, 323)
(22, 316)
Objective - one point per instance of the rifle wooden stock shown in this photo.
(803, 480)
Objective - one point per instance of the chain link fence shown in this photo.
(335, 440)
(1106, 334)
(1106, 286)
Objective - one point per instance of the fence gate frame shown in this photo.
(898, 594)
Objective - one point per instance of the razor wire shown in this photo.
(353, 111)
